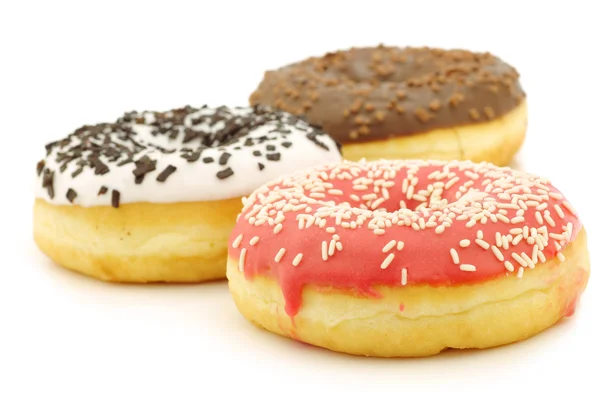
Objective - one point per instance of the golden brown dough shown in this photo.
(497, 312)
(139, 242)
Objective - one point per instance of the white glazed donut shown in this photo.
(153, 196)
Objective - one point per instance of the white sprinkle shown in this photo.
(541, 206)
(324, 251)
(242, 260)
(559, 211)
(520, 273)
(471, 223)
(260, 222)
(439, 229)
(482, 243)
(467, 267)
(561, 257)
(516, 220)
(534, 254)
(254, 240)
(555, 195)
(522, 204)
(528, 260)
(377, 203)
(237, 241)
(400, 245)
(519, 259)
(278, 228)
(505, 241)
(338, 246)
(354, 197)
(279, 255)
(335, 192)
(549, 220)
(330, 229)
(404, 276)
(297, 259)
(390, 245)
(331, 247)
(451, 182)
(517, 239)
(480, 234)
(557, 236)
(387, 261)
(454, 255)
(569, 230)
(465, 243)
(508, 265)
(502, 218)
(379, 231)
(508, 205)
(541, 256)
(569, 207)
(497, 253)
(498, 239)
(538, 217)
(409, 192)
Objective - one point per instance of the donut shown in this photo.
(407, 258)
(153, 196)
(406, 103)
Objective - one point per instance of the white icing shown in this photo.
(192, 181)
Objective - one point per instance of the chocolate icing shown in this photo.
(374, 93)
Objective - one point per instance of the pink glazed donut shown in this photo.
(407, 258)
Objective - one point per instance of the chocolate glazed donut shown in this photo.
(389, 102)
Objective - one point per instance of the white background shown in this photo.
(63, 65)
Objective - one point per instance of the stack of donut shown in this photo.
(424, 244)
(399, 103)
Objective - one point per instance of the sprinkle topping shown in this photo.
(364, 94)
(392, 237)
(186, 154)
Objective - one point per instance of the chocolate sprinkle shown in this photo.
(40, 167)
(71, 195)
(77, 172)
(226, 173)
(142, 167)
(115, 198)
(104, 147)
(165, 174)
(223, 159)
(48, 182)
